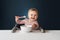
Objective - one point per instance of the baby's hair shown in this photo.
(33, 9)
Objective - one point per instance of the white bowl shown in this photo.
(27, 28)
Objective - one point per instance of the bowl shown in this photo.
(26, 28)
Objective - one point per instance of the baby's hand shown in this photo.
(34, 26)
(23, 16)
(17, 16)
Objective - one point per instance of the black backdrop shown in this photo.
(9, 8)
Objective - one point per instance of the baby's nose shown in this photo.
(33, 16)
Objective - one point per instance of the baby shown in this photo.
(32, 19)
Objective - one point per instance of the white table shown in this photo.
(36, 35)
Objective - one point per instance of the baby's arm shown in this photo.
(19, 21)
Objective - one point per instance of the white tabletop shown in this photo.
(36, 35)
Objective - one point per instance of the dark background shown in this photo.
(10, 8)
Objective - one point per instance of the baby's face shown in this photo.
(32, 15)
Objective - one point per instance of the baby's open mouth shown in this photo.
(32, 18)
